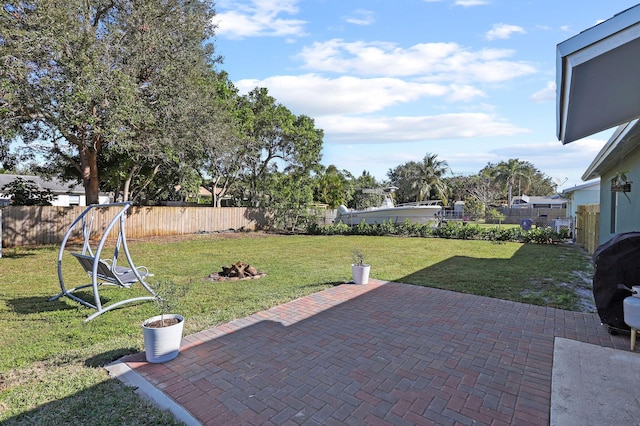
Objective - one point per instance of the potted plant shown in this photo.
(359, 269)
(163, 333)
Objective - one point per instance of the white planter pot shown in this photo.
(360, 273)
(162, 344)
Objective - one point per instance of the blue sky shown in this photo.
(389, 81)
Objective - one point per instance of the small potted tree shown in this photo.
(359, 269)
(163, 333)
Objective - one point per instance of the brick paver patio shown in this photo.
(381, 353)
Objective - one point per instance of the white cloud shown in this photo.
(239, 19)
(467, 3)
(429, 61)
(360, 17)
(316, 96)
(545, 95)
(348, 129)
(464, 3)
(503, 31)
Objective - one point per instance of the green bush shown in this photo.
(449, 230)
(494, 216)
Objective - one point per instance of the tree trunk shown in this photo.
(126, 190)
(89, 170)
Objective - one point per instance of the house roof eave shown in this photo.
(592, 56)
(595, 184)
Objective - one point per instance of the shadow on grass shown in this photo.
(107, 402)
(33, 305)
(524, 277)
(15, 254)
(37, 304)
(105, 358)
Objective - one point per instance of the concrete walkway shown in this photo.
(381, 353)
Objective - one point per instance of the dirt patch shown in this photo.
(583, 287)
(580, 286)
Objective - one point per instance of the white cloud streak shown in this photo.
(314, 95)
(545, 95)
(429, 61)
(238, 19)
(360, 17)
(503, 31)
(467, 3)
(415, 128)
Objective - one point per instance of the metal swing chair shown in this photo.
(102, 271)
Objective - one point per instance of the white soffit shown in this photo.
(598, 77)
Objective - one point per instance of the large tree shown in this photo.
(506, 173)
(80, 76)
(274, 140)
(224, 152)
(361, 198)
(514, 173)
(480, 187)
(418, 181)
(332, 187)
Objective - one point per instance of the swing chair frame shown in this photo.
(102, 271)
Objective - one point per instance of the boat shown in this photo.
(418, 212)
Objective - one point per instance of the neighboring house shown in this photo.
(598, 88)
(204, 194)
(64, 194)
(580, 195)
(538, 202)
(619, 211)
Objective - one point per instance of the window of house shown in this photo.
(74, 200)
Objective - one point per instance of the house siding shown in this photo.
(582, 197)
(626, 210)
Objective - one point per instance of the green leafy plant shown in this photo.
(357, 256)
(494, 216)
(26, 193)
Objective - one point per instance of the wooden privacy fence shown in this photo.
(35, 225)
(588, 226)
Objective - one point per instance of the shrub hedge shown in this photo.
(451, 230)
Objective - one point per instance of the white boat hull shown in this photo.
(415, 214)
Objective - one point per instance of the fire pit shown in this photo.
(236, 272)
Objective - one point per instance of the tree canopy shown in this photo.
(85, 79)
(419, 181)
(123, 95)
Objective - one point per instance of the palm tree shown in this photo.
(506, 173)
(430, 173)
(415, 180)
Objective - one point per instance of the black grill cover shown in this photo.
(617, 262)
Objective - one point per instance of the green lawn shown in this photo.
(51, 360)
